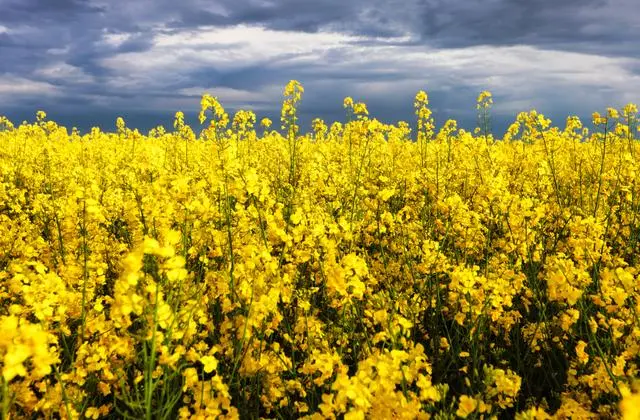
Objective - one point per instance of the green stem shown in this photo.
(150, 365)
(602, 161)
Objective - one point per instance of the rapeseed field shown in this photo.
(361, 270)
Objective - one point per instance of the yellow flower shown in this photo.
(421, 98)
(484, 99)
(13, 362)
(444, 344)
(266, 122)
(92, 413)
(630, 404)
(466, 406)
(210, 363)
(360, 109)
(354, 414)
(348, 102)
(583, 357)
(599, 119)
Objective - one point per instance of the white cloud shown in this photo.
(12, 85)
(61, 71)
(517, 75)
(58, 51)
(226, 48)
(115, 40)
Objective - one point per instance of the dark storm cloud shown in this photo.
(45, 12)
(590, 25)
(367, 18)
(95, 55)
(593, 25)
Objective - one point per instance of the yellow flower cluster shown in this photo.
(357, 271)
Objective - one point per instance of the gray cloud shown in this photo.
(149, 58)
(46, 12)
(578, 25)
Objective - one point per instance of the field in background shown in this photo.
(361, 270)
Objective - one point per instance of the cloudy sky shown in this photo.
(86, 62)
